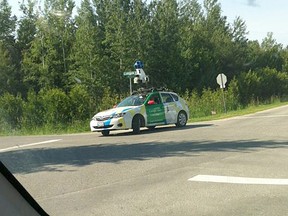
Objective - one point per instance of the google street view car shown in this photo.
(145, 108)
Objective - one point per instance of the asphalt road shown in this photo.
(156, 173)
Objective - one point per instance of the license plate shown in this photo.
(100, 124)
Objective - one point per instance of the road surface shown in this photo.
(236, 166)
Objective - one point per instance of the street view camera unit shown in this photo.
(140, 76)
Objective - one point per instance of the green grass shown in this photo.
(248, 110)
(77, 127)
(80, 127)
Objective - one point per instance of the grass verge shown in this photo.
(248, 110)
(80, 127)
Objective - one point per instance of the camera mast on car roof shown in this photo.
(139, 76)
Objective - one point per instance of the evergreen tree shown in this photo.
(87, 52)
(7, 24)
(26, 31)
(7, 82)
(46, 64)
(191, 43)
(163, 51)
(10, 77)
(272, 54)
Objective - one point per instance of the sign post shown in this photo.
(221, 80)
(130, 75)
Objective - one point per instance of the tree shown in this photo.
(46, 64)
(7, 24)
(140, 30)
(206, 43)
(117, 46)
(87, 53)
(233, 53)
(190, 45)
(6, 70)
(271, 53)
(164, 59)
(27, 26)
(9, 56)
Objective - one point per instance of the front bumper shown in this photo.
(110, 124)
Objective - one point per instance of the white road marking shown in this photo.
(28, 145)
(264, 116)
(238, 180)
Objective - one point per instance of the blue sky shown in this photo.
(260, 16)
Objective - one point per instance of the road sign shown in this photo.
(129, 74)
(221, 80)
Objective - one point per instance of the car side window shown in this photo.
(176, 98)
(155, 98)
(166, 97)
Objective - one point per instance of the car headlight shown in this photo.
(118, 115)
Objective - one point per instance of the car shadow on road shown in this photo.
(55, 159)
(158, 129)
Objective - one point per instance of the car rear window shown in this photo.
(175, 96)
(167, 98)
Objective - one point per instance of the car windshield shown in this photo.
(134, 100)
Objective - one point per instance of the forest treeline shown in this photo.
(61, 64)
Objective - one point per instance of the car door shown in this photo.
(169, 108)
(155, 109)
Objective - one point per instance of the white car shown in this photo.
(144, 109)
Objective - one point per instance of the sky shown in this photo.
(260, 16)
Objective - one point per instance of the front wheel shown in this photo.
(105, 132)
(136, 124)
(181, 119)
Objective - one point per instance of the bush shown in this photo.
(109, 99)
(55, 106)
(205, 104)
(33, 111)
(211, 101)
(11, 111)
(79, 103)
(261, 85)
(249, 84)
(233, 96)
(4, 126)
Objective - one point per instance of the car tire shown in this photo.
(105, 132)
(181, 119)
(136, 124)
